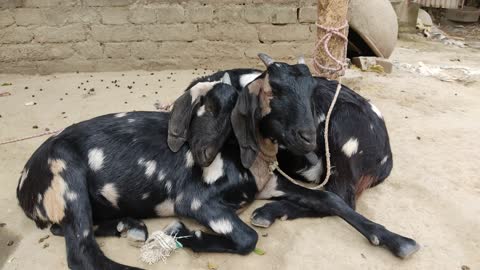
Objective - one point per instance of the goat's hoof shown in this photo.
(135, 231)
(175, 228)
(406, 248)
(259, 221)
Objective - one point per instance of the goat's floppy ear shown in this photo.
(179, 121)
(244, 122)
(181, 114)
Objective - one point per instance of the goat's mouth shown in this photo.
(299, 146)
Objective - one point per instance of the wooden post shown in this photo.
(331, 14)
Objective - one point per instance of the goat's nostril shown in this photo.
(307, 136)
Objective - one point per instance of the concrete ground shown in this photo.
(432, 195)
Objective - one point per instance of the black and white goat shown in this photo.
(112, 170)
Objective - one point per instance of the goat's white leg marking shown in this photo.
(221, 226)
(350, 147)
(384, 160)
(22, 178)
(198, 234)
(214, 171)
(110, 192)
(53, 198)
(165, 208)
(189, 159)
(95, 159)
(86, 233)
(201, 88)
(201, 110)
(196, 204)
(314, 172)
(270, 189)
(120, 115)
(376, 110)
(248, 78)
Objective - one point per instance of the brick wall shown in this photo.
(45, 36)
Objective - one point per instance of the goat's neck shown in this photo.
(267, 155)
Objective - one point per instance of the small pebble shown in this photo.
(35, 127)
(46, 245)
(2, 225)
(63, 112)
(61, 99)
(41, 89)
(43, 238)
(126, 102)
(418, 138)
(10, 243)
(33, 95)
(47, 129)
(144, 95)
(363, 256)
(26, 87)
(465, 267)
(151, 73)
(66, 94)
(264, 234)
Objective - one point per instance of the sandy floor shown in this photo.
(433, 194)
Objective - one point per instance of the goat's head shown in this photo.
(202, 116)
(277, 105)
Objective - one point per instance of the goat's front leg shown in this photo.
(233, 235)
(265, 216)
(328, 203)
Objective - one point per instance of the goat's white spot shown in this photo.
(53, 198)
(86, 233)
(130, 120)
(384, 160)
(281, 146)
(214, 171)
(110, 192)
(201, 88)
(314, 172)
(120, 226)
(221, 226)
(350, 147)
(165, 208)
(189, 159)
(245, 195)
(120, 115)
(248, 78)
(39, 198)
(270, 189)
(161, 175)
(72, 196)
(371, 127)
(145, 195)
(168, 186)
(179, 198)
(201, 110)
(22, 178)
(198, 234)
(95, 159)
(284, 217)
(150, 166)
(320, 118)
(196, 204)
(374, 240)
(376, 110)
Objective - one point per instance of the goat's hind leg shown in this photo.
(83, 251)
(266, 215)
